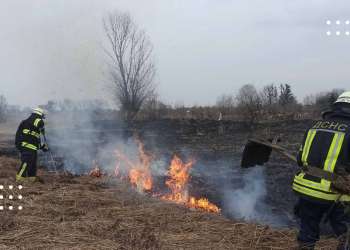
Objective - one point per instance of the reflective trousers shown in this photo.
(28, 164)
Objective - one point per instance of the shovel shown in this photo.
(257, 152)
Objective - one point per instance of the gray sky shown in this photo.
(52, 49)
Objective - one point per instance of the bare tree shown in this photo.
(269, 98)
(131, 64)
(3, 108)
(249, 103)
(269, 95)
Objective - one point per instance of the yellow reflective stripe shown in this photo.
(29, 132)
(23, 169)
(344, 198)
(321, 186)
(36, 122)
(315, 193)
(320, 195)
(30, 178)
(326, 184)
(30, 146)
(333, 152)
(309, 139)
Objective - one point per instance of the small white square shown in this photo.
(337, 33)
(1, 187)
(347, 22)
(10, 187)
(11, 197)
(347, 33)
(20, 197)
(329, 33)
(10, 207)
(328, 22)
(337, 22)
(20, 187)
(1, 197)
(1, 207)
(20, 207)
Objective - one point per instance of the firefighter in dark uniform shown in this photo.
(28, 142)
(323, 156)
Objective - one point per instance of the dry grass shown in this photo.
(103, 213)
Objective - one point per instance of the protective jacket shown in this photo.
(326, 146)
(28, 133)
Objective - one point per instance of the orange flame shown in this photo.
(96, 171)
(139, 172)
(178, 179)
(140, 176)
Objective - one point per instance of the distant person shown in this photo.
(28, 141)
(325, 160)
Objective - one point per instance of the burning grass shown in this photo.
(179, 174)
(140, 176)
(69, 212)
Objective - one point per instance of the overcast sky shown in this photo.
(52, 49)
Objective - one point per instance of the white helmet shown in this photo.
(343, 98)
(39, 111)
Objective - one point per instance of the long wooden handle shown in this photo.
(277, 148)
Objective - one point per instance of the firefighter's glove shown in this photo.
(44, 147)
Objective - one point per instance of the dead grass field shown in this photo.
(69, 212)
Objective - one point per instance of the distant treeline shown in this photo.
(272, 102)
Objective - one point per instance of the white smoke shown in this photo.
(249, 201)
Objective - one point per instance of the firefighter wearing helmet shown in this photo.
(326, 146)
(28, 141)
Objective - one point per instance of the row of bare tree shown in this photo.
(252, 104)
(132, 72)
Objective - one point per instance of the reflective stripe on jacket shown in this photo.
(322, 148)
(29, 146)
(30, 131)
